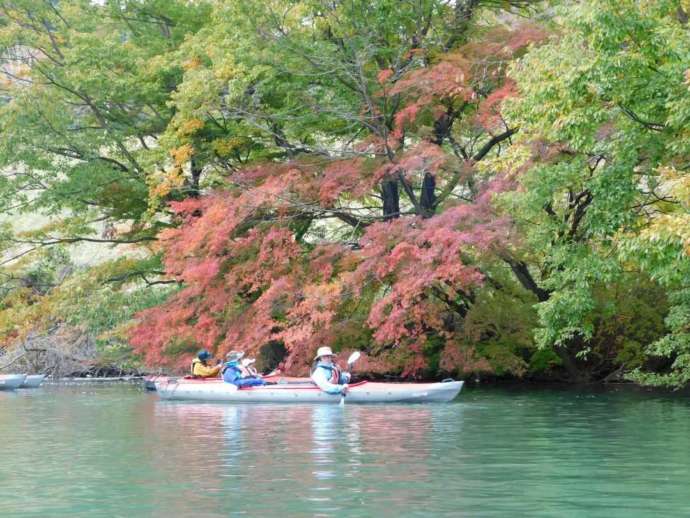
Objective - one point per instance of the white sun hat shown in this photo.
(323, 351)
(234, 356)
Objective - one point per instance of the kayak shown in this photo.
(150, 381)
(11, 381)
(304, 391)
(33, 381)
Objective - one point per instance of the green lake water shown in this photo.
(118, 451)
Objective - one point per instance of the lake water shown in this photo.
(118, 451)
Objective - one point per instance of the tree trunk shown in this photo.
(391, 199)
(196, 169)
(523, 275)
(576, 373)
(427, 200)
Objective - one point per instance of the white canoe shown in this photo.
(11, 381)
(33, 381)
(362, 392)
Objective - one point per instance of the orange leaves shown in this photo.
(457, 77)
(449, 78)
(189, 127)
(182, 154)
(192, 63)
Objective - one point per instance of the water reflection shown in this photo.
(117, 451)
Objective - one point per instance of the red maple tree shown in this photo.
(292, 251)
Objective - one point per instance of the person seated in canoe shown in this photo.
(327, 375)
(248, 369)
(202, 368)
(234, 373)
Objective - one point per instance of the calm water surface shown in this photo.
(118, 451)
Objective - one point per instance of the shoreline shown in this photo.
(471, 384)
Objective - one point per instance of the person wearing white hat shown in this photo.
(327, 376)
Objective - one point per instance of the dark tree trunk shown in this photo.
(523, 275)
(442, 127)
(196, 176)
(566, 353)
(427, 199)
(391, 199)
(576, 373)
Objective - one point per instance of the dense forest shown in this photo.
(485, 188)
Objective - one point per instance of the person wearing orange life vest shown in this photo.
(327, 376)
(201, 368)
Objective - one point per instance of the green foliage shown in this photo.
(111, 110)
(596, 158)
(87, 86)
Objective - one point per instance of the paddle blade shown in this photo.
(353, 357)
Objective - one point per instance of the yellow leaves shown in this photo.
(182, 154)
(670, 223)
(228, 146)
(192, 63)
(189, 127)
(670, 227)
(676, 184)
(224, 72)
(165, 182)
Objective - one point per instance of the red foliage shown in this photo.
(242, 291)
(488, 114)
(384, 75)
(248, 281)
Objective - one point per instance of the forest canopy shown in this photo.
(476, 187)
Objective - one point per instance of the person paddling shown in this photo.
(201, 367)
(327, 376)
(232, 372)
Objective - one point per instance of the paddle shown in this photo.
(350, 362)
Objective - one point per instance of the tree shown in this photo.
(85, 89)
(352, 200)
(601, 109)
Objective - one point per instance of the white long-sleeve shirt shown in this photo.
(322, 377)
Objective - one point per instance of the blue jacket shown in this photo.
(233, 374)
(323, 375)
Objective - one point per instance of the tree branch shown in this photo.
(491, 143)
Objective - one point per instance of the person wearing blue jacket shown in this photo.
(327, 376)
(232, 372)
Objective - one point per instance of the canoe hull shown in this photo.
(363, 392)
(11, 381)
(33, 381)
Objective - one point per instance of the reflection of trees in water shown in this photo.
(188, 455)
(321, 457)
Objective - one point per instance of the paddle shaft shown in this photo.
(350, 363)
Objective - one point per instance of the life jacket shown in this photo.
(335, 372)
(194, 362)
(231, 365)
